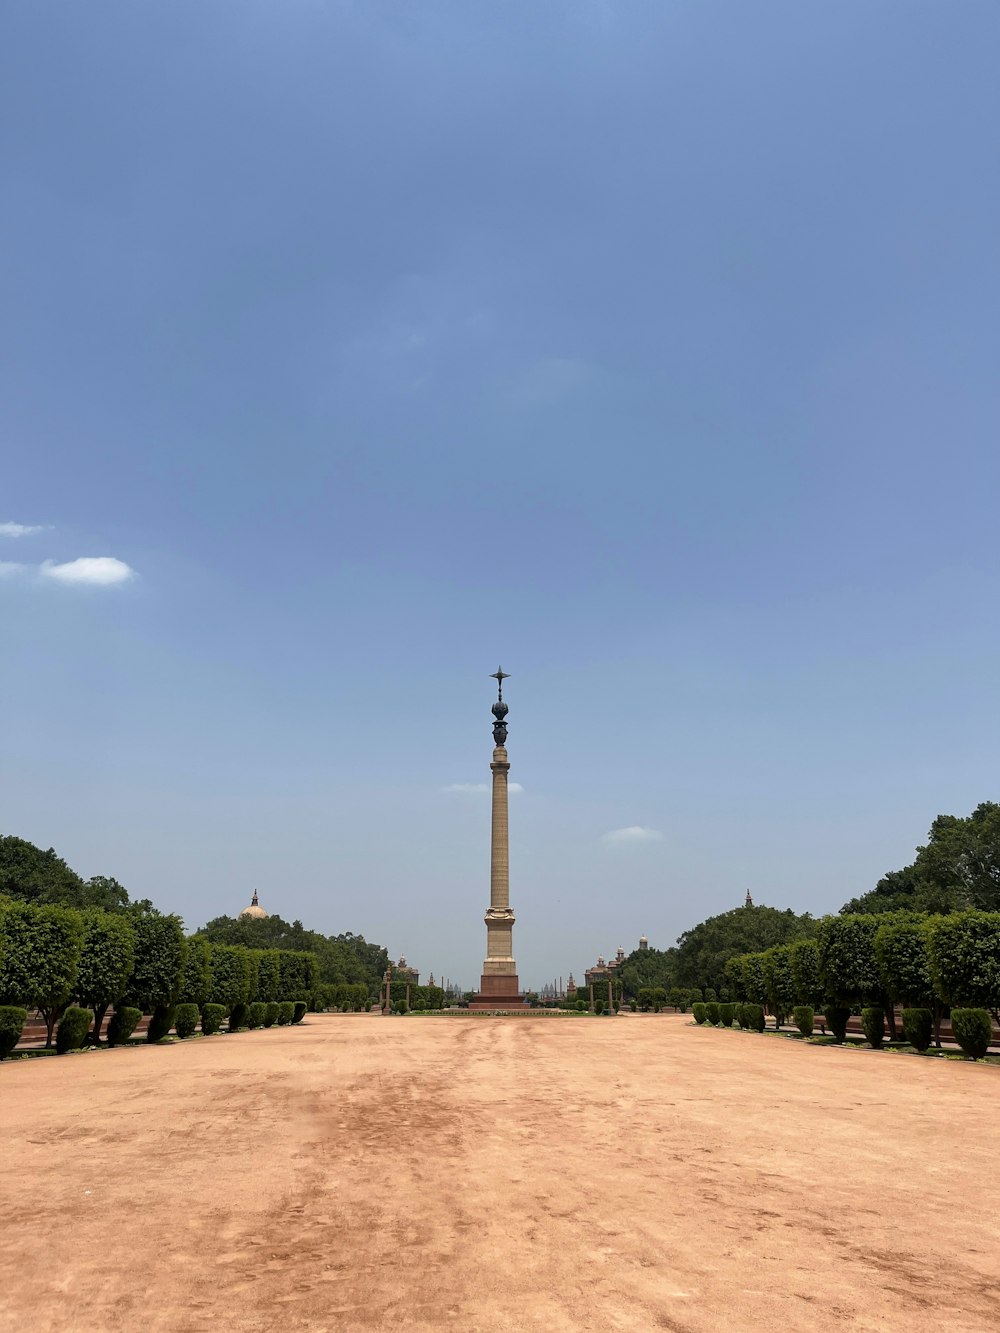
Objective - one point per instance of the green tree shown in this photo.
(848, 965)
(160, 951)
(106, 959)
(32, 875)
(703, 951)
(779, 982)
(964, 955)
(196, 978)
(647, 968)
(39, 958)
(804, 958)
(268, 975)
(901, 950)
(957, 868)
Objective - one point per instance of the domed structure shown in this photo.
(254, 912)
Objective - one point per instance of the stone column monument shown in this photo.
(498, 987)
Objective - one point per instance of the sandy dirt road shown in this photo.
(363, 1173)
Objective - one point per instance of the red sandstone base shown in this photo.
(498, 993)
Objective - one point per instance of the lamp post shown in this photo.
(388, 993)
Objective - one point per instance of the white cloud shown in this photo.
(480, 787)
(102, 570)
(19, 529)
(634, 833)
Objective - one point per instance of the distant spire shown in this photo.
(749, 901)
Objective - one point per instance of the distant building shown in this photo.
(643, 942)
(404, 972)
(749, 900)
(254, 912)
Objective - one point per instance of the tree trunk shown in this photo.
(890, 1018)
(99, 1011)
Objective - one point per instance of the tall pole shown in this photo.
(498, 985)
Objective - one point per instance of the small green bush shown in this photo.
(73, 1029)
(804, 1019)
(755, 1017)
(710, 995)
(301, 1008)
(633, 1005)
(918, 1026)
(712, 1012)
(238, 1016)
(186, 1019)
(160, 1023)
(727, 1012)
(286, 1012)
(972, 1030)
(873, 1025)
(271, 1014)
(738, 1014)
(211, 1018)
(12, 1021)
(256, 1013)
(599, 1007)
(368, 1008)
(698, 1011)
(123, 1023)
(836, 1020)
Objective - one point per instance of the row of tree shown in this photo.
(51, 957)
(863, 959)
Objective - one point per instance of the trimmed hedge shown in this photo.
(804, 1019)
(160, 1023)
(836, 1020)
(754, 1014)
(186, 1019)
(712, 1012)
(301, 1008)
(271, 1014)
(698, 1011)
(12, 1021)
(286, 1011)
(873, 1025)
(972, 1030)
(211, 1018)
(122, 1025)
(256, 1013)
(238, 1016)
(73, 1029)
(918, 1026)
(727, 1012)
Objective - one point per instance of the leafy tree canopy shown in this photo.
(702, 952)
(957, 868)
(32, 875)
(645, 968)
(343, 959)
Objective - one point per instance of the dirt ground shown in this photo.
(498, 1174)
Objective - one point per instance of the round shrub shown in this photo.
(633, 1005)
(698, 1011)
(727, 1012)
(211, 1018)
(73, 1029)
(368, 1007)
(186, 1020)
(712, 1012)
(804, 1018)
(873, 1025)
(286, 1011)
(238, 1016)
(123, 1024)
(160, 1023)
(271, 1014)
(12, 1021)
(301, 1006)
(755, 1017)
(256, 1013)
(836, 1020)
(972, 1030)
(918, 1026)
(599, 1007)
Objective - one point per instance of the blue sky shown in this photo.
(649, 349)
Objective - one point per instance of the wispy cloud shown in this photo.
(102, 570)
(634, 833)
(20, 529)
(8, 568)
(480, 787)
